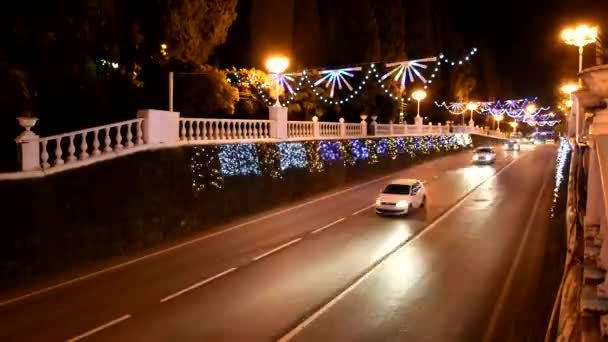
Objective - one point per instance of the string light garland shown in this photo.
(269, 160)
(330, 150)
(372, 150)
(359, 148)
(315, 164)
(209, 165)
(238, 160)
(403, 72)
(346, 151)
(205, 168)
(382, 147)
(293, 155)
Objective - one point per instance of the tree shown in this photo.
(205, 93)
(195, 27)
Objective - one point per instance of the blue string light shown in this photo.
(330, 150)
(359, 149)
(239, 160)
(293, 155)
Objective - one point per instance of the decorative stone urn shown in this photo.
(363, 117)
(27, 123)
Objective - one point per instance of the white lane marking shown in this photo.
(295, 331)
(362, 210)
(276, 249)
(199, 284)
(520, 249)
(328, 225)
(99, 328)
(195, 240)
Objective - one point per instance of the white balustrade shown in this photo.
(300, 129)
(329, 129)
(383, 129)
(68, 144)
(353, 129)
(197, 130)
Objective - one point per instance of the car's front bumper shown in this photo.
(483, 161)
(391, 211)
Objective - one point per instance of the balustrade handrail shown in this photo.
(88, 130)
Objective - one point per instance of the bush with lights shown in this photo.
(210, 165)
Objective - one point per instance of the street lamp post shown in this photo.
(498, 118)
(472, 106)
(418, 95)
(514, 125)
(580, 36)
(277, 65)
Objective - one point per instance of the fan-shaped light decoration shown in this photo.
(333, 77)
(404, 71)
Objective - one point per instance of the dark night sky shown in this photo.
(524, 35)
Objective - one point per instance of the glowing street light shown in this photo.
(530, 109)
(498, 118)
(580, 36)
(514, 125)
(569, 88)
(568, 103)
(277, 65)
(472, 106)
(419, 95)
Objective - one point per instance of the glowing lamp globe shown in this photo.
(277, 65)
(499, 117)
(568, 103)
(472, 106)
(419, 95)
(530, 109)
(580, 36)
(569, 88)
(513, 124)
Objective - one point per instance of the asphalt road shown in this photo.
(328, 268)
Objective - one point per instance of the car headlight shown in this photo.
(475, 157)
(378, 202)
(402, 204)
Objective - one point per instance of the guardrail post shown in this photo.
(159, 126)
(29, 145)
(278, 126)
(342, 128)
(440, 129)
(391, 129)
(315, 127)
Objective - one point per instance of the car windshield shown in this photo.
(483, 150)
(397, 189)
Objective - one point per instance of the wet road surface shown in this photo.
(328, 268)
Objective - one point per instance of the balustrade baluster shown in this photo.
(222, 132)
(71, 150)
(44, 157)
(58, 152)
(190, 137)
(84, 147)
(198, 130)
(266, 130)
(96, 151)
(107, 141)
(204, 131)
(238, 130)
(130, 135)
(183, 131)
(140, 139)
(118, 145)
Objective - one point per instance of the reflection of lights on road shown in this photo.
(560, 169)
(396, 239)
(473, 174)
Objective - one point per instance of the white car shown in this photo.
(400, 196)
(484, 155)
